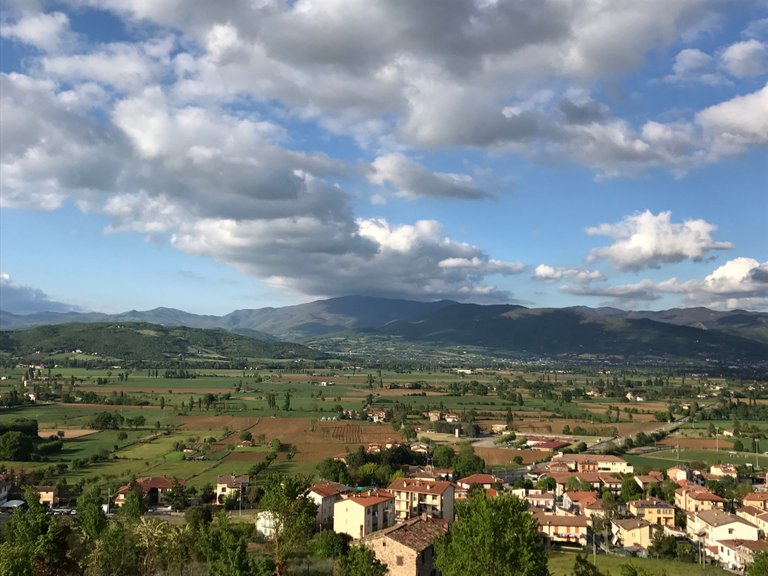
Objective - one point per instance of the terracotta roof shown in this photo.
(417, 534)
(150, 482)
(705, 496)
(370, 498)
(579, 495)
(480, 479)
(753, 545)
(756, 497)
(327, 490)
(589, 458)
(420, 486)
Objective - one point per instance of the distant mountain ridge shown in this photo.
(699, 333)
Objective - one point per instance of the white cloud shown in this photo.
(647, 240)
(412, 180)
(739, 283)
(556, 273)
(20, 299)
(746, 58)
(47, 32)
(733, 125)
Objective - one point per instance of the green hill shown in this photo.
(148, 342)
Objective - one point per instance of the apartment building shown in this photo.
(414, 497)
(362, 514)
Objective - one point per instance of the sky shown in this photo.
(213, 156)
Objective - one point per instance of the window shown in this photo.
(399, 560)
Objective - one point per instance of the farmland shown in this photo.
(316, 413)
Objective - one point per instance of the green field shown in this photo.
(561, 564)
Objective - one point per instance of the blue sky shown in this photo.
(215, 156)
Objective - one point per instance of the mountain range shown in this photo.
(697, 334)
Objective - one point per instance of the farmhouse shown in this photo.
(154, 489)
(722, 470)
(415, 497)
(228, 484)
(407, 549)
(49, 495)
(363, 514)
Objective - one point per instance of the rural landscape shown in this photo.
(207, 426)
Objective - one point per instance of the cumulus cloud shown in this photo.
(557, 273)
(412, 180)
(47, 32)
(733, 125)
(648, 240)
(20, 299)
(745, 58)
(739, 283)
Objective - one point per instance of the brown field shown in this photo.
(498, 456)
(68, 432)
(215, 422)
(697, 443)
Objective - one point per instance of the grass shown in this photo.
(561, 564)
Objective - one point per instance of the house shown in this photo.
(757, 499)
(429, 472)
(679, 473)
(49, 495)
(536, 498)
(484, 480)
(597, 480)
(434, 415)
(645, 481)
(362, 514)
(378, 415)
(265, 524)
(728, 433)
(407, 549)
(325, 495)
(756, 516)
(452, 417)
(694, 499)
(229, 484)
(414, 497)
(709, 527)
(737, 555)
(629, 532)
(723, 470)
(594, 463)
(562, 529)
(420, 448)
(154, 489)
(654, 511)
(575, 500)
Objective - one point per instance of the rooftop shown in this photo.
(417, 534)
(420, 486)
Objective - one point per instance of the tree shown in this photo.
(133, 508)
(178, 496)
(333, 470)
(630, 490)
(15, 446)
(442, 456)
(738, 445)
(360, 561)
(759, 566)
(91, 520)
(115, 553)
(329, 544)
(293, 515)
(467, 462)
(493, 537)
(224, 548)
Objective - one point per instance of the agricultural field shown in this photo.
(162, 410)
